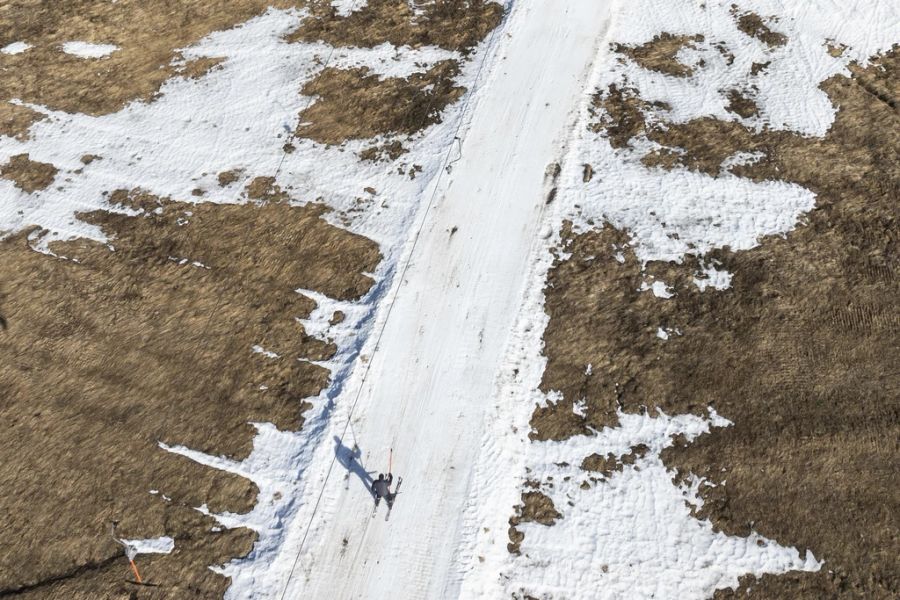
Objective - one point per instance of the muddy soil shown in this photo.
(801, 352)
(104, 358)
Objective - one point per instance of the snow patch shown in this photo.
(260, 350)
(15, 48)
(718, 279)
(159, 545)
(88, 50)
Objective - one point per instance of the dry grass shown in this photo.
(104, 358)
(28, 175)
(354, 104)
(451, 24)
(800, 353)
(660, 53)
(15, 120)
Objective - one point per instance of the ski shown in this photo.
(390, 504)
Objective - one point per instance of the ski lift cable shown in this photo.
(445, 164)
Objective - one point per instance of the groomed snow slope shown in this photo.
(434, 369)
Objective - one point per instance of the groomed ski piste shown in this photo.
(441, 362)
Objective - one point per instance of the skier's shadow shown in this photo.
(349, 459)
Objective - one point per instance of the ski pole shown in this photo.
(390, 460)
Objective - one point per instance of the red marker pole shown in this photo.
(134, 570)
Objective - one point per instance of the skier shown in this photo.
(381, 488)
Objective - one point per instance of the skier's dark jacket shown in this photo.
(381, 487)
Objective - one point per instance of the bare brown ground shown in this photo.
(609, 464)
(27, 174)
(357, 104)
(16, 120)
(801, 353)
(354, 104)
(659, 54)
(148, 32)
(103, 358)
(536, 507)
(451, 24)
(754, 26)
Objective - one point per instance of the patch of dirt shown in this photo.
(753, 25)
(197, 68)
(355, 104)
(609, 464)
(621, 114)
(388, 151)
(660, 53)
(800, 353)
(104, 358)
(226, 178)
(450, 24)
(536, 507)
(741, 104)
(28, 175)
(148, 33)
(15, 120)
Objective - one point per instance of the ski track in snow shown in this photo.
(454, 397)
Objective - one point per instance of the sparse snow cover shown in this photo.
(88, 50)
(15, 48)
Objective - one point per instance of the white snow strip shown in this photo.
(15, 48)
(159, 545)
(387, 60)
(440, 350)
(88, 50)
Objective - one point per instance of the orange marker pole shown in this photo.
(135, 571)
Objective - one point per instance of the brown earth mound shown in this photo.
(103, 358)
